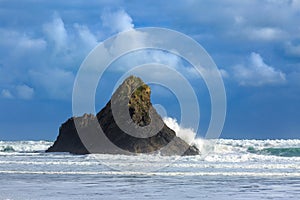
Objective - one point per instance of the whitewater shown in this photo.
(232, 169)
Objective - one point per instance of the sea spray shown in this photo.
(186, 134)
(189, 136)
(205, 146)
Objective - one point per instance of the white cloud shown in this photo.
(166, 58)
(56, 32)
(151, 56)
(56, 82)
(6, 94)
(24, 91)
(224, 73)
(87, 37)
(20, 91)
(31, 56)
(20, 41)
(117, 21)
(134, 59)
(256, 72)
(129, 40)
(28, 43)
(265, 33)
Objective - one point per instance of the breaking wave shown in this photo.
(217, 149)
(186, 134)
(24, 146)
(189, 136)
(7, 149)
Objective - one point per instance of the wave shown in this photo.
(283, 148)
(8, 149)
(189, 136)
(217, 149)
(24, 146)
(186, 134)
(284, 152)
(167, 174)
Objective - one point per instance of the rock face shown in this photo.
(128, 124)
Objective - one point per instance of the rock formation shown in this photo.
(128, 124)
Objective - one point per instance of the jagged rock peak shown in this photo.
(108, 132)
(136, 94)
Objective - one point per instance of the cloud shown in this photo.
(24, 91)
(137, 58)
(87, 37)
(293, 50)
(239, 20)
(32, 54)
(6, 94)
(296, 4)
(256, 72)
(56, 32)
(27, 43)
(147, 56)
(63, 40)
(19, 41)
(265, 33)
(117, 21)
(224, 73)
(20, 91)
(56, 82)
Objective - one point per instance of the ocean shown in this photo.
(232, 169)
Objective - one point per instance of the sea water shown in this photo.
(231, 169)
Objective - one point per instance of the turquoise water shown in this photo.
(285, 152)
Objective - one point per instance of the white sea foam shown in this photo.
(228, 164)
(189, 136)
(186, 134)
(24, 146)
(217, 149)
(130, 173)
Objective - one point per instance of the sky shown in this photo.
(254, 43)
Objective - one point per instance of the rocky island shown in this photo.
(128, 124)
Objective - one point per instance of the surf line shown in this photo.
(258, 174)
